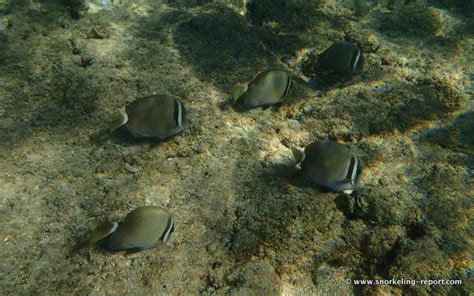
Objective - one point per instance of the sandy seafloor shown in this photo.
(245, 223)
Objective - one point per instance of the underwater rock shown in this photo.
(422, 260)
(94, 34)
(4, 4)
(330, 164)
(156, 116)
(253, 278)
(5, 23)
(266, 89)
(83, 61)
(98, 5)
(374, 206)
(143, 228)
(416, 18)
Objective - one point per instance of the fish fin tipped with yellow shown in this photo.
(238, 89)
(103, 230)
(298, 155)
(118, 119)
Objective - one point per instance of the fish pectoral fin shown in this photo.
(131, 251)
(134, 250)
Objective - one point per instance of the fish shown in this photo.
(266, 89)
(143, 228)
(330, 164)
(156, 116)
(341, 58)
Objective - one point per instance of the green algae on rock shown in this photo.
(272, 237)
(416, 18)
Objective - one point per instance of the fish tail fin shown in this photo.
(103, 230)
(298, 155)
(118, 119)
(238, 89)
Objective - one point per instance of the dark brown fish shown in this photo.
(341, 58)
(331, 165)
(157, 116)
